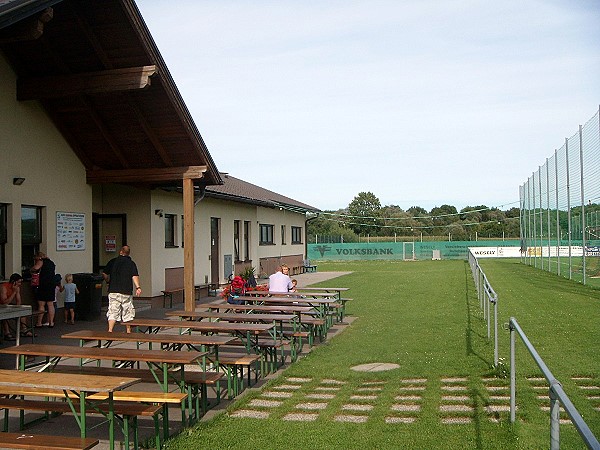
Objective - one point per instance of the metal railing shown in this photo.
(556, 393)
(487, 297)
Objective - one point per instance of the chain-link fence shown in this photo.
(560, 204)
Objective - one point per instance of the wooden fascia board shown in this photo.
(158, 175)
(103, 81)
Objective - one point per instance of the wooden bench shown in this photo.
(196, 383)
(234, 365)
(268, 349)
(168, 293)
(128, 411)
(308, 267)
(37, 441)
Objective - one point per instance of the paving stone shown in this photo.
(497, 388)
(313, 405)
(496, 408)
(403, 407)
(413, 380)
(363, 397)
(412, 388)
(500, 398)
(455, 380)
(272, 394)
(581, 378)
(248, 413)
(589, 388)
(369, 389)
(408, 398)
(331, 381)
(593, 397)
(321, 396)
(454, 388)
(356, 407)
(456, 398)
(455, 408)
(375, 367)
(536, 379)
(326, 388)
(456, 420)
(392, 419)
(287, 387)
(299, 417)
(298, 380)
(349, 418)
(372, 383)
(256, 402)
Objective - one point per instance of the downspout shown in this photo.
(306, 234)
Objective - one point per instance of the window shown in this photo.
(170, 224)
(246, 240)
(236, 239)
(266, 234)
(282, 234)
(296, 235)
(3, 241)
(182, 228)
(31, 236)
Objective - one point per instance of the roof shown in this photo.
(97, 72)
(238, 190)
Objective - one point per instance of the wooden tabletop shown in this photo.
(312, 294)
(299, 309)
(234, 317)
(110, 353)
(326, 289)
(161, 338)
(207, 327)
(64, 381)
(289, 300)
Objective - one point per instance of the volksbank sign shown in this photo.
(404, 250)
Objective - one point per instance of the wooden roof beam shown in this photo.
(103, 81)
(29, 29)
(165, 174)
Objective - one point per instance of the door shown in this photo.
(214, 250)
(109, 235)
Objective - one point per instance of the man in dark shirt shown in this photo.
(121, 274)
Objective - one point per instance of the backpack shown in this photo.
(237, 288)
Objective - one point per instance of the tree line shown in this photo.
(365, 216)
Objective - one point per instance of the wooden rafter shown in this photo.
(158, 175)
(29, 29)
(103, 81)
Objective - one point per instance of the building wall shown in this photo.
(32, 148)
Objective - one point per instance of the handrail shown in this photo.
(485, 291)
(556, 393)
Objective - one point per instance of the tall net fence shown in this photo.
(560, 209)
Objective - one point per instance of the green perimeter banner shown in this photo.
(400, 250)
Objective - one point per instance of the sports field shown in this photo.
(425, 317)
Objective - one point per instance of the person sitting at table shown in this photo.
(11, 291)
(280, 282)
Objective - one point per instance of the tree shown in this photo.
(365, 208)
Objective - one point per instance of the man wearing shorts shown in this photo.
(122, 276)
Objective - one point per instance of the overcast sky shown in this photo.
(422, 102)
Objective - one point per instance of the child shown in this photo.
(70, 289)
(294, 284)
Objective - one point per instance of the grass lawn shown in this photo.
(425, 317)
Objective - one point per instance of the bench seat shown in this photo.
(128, 412)
(48, 442)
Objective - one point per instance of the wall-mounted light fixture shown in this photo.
(18, 181)
(158, 212)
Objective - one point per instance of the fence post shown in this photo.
(513, 371)
(496, 331)
(554, 418)
(583, 240)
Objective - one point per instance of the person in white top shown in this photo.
(280, 282)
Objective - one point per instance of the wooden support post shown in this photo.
(188, 249)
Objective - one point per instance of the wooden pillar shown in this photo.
(188, 249)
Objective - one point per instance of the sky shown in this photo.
(421, 102)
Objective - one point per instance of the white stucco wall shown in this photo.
(31, 147)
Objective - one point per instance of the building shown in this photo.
(98, 149)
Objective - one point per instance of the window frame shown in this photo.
(170, 222)
(296, 235)
(266, 234)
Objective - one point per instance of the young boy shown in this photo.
(70, 289)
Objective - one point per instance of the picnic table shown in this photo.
(78, 385)
(284, 309)
(8, 312)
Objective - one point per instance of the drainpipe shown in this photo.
(306, 234)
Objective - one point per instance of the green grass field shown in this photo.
(425, 316)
